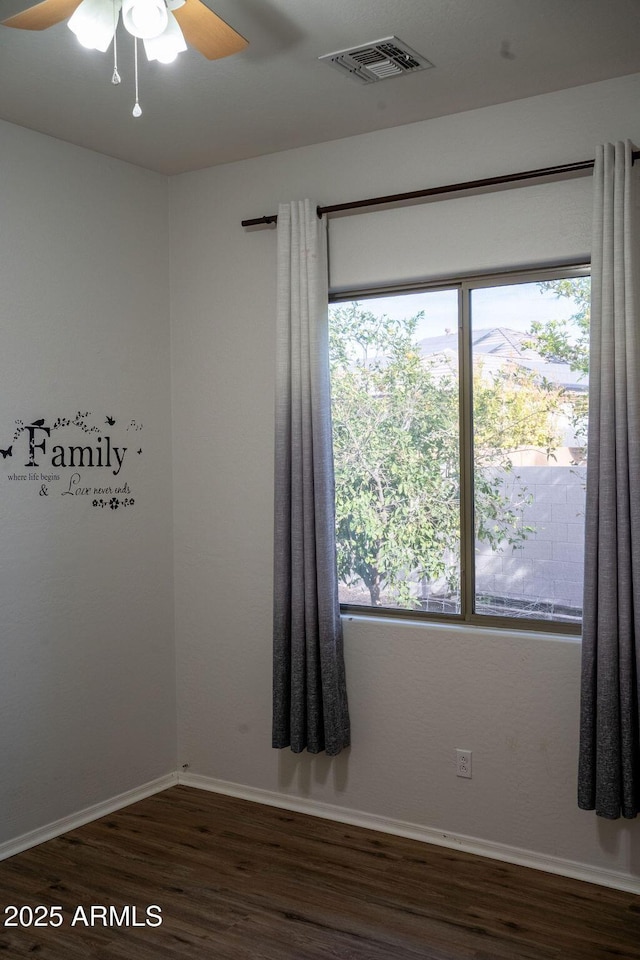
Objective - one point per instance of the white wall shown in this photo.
(87, 685)
(416, 692)
(87, 698)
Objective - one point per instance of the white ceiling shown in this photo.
(276, 94)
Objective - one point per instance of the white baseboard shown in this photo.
(356, 818)
(55, 829)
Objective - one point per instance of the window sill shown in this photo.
(458, 628)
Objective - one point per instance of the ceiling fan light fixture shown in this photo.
(94, 23)
(168, 45)
(145, 19)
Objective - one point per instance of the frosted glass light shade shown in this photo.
(168, 45)
(145, 19)
(94, 23)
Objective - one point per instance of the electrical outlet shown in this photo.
(463, 763)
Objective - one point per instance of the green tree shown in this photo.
(566, 340)
(396, 454)
(396, 443)
(513, 410)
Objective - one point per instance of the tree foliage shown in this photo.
(561, 340)
(396, 453)
(566, 340)
(396, 444)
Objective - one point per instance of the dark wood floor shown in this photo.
(240, 881)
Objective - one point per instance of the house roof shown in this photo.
(501, 345)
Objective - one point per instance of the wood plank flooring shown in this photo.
(240, 881)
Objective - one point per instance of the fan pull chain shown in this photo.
(137, 109)
(116, 78)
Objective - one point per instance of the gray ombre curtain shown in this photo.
(609, 768)
(309, 691)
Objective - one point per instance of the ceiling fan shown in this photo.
(200, 26)
(164, 26)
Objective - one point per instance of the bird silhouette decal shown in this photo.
(7, 453)
(37, 423)
(110, 421)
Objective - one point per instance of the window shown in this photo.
(460, 426)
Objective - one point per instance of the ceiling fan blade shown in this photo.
(43, 15)
(207, 32)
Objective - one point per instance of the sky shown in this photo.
(513, 306)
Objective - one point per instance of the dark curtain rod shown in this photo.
(567, 168)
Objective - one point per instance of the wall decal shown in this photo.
(75, 457)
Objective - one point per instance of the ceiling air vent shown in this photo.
(378, 60)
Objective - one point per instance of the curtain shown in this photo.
(309, 691)
(609, 763)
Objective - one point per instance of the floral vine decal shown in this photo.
(114, 503)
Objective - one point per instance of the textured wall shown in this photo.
(87, 694)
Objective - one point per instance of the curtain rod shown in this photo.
(567, 168)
